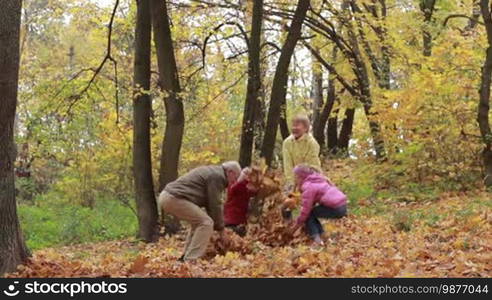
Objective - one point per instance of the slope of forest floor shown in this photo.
(447, 235)
(458, 244)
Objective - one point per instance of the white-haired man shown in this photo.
(185, 197)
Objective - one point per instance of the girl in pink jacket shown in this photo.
(320, 199)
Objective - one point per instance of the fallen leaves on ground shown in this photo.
(458, 245)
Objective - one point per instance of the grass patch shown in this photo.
(48, 225)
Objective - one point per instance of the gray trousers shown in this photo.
(201, 223)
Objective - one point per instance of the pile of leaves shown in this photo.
(271, 230)
(458, 243)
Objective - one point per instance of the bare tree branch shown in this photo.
(332, 70)
(108, 57)
(446, 20)
(200, 111)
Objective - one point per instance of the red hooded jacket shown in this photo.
(236, 206)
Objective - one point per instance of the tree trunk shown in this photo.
(260, 117)
(332, 133)
(13, 250)
(317, 100)
(319, 127)
(360, 70)
(427, 7)
(346, 131)
(283, 124)
(279, 87)
(484, 104)
(261, 110)
(487, 162)
(374, 126)
(169, 84)
(252, 104)
(385, 65)
(375, 130)
(142, 166)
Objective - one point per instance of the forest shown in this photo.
(105, 103)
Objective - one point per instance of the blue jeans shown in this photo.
(313, 225)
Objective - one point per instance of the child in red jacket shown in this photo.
(236, 206)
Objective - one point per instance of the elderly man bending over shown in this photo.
(185, 197)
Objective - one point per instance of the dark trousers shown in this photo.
(239, 229)
(313, 225)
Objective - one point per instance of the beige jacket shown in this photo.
(304, 150)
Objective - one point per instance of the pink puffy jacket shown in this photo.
(316, 189)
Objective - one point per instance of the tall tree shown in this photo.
(283, 123)
(170, 86)
(252, 104)
(484, 104)
(13, 250)
(317, 100)
(427, 8)
(380, 65)
(332, 123)
(361, 71)
(346, 131)
(142, 106)
(169, 83)
(279, 85)
(337, 143)
(320, 123)
(351, 50)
